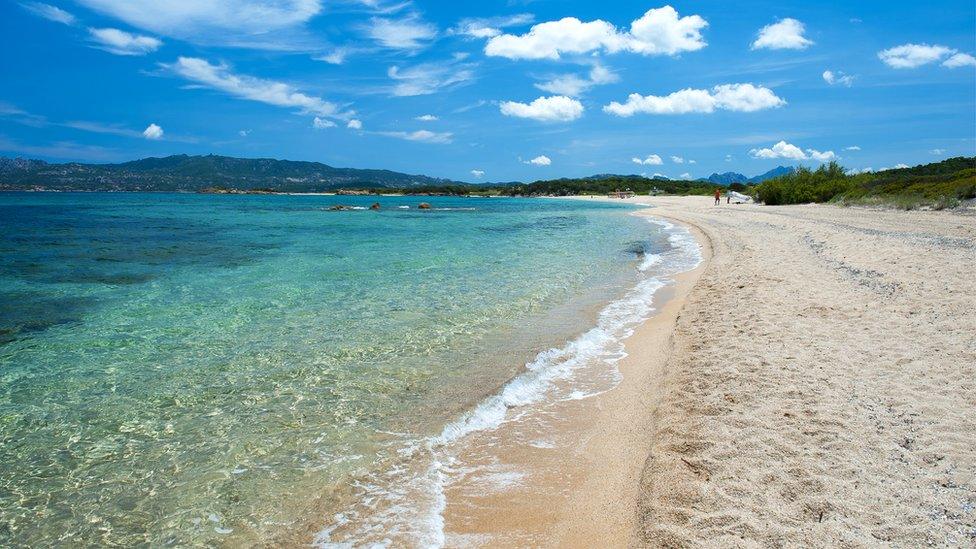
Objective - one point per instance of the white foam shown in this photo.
(600, 347)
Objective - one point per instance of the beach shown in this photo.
(815, 385)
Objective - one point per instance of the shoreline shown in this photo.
(497, 471)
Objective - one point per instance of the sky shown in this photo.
(514, 90)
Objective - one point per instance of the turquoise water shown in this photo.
(196, 369)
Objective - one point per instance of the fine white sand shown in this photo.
(821, 388)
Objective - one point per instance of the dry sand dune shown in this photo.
(821, 390)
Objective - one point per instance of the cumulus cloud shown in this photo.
(49, 12)
(785, 34)
(428, 78)
(792, 152)
(488, 27)
(422, 136)
(650, 160)
(659, 31)
(354, 124)
(478, 173)
(123, 43)
(574, 85)
(408, 33)
(556, 108)
(244, 133)
(322, 123)
(249, 23)
(426, 118)
(730, 97)
(153, 132)
(960, 60)
(937, 152)
(852, 148)
(910, 56)
(685, 175)
(220, 77)
(838, 78)
(541, 160)
(677, 160)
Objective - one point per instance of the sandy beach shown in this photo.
(812, 383)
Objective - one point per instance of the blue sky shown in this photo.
(492, 91)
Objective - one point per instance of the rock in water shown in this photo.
(423, 206)
(375, 206)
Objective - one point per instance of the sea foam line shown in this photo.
(601, 344)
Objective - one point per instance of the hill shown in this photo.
(194, 173)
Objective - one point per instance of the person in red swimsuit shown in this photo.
(718, 196)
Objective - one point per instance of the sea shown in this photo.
(234, 370)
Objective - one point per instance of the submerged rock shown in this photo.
(339, 208)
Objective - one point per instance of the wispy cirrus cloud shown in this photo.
(261, 24)
(575, 85)
(488, 27)
(423, 136)
(428, 78)
(410, 33)
(49, 12)
(271, 92)
(123, 43)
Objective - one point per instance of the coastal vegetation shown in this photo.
(939, 185)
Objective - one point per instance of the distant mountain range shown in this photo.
(195, 173)
(728, 178)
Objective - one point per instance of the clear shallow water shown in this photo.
(193, 369)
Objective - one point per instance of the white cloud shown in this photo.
(685, 175)
(910, 56)
(220, 77)
(852, 148)
(792, 152)
(409, 33)
(428, 78)
(658, 32)
(651, 160)
(838, 77)
(541, 160)
(692, 161)
(785, 34)
(937, 152)
(244, 133)
(248, 23)
(960, 60)
(677, 160)
(322, 123)
(49, 12)
(153, 132)
(556, 108)
(122, 43)
(334, 57)
(427, 118)
(573, 85)
(478, 173)
(421, 135)
(354, 124)
(730, 97)
(728, 158)
(488, 27)
(897, 167)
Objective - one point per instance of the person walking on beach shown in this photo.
(718, 196)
